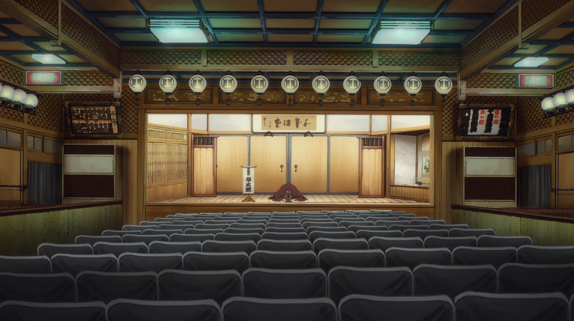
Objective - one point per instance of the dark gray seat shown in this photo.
(368, 234)
(147, 239)
(255, 309)
(340, 244)
(140, 228)
(307, 225)
(427, 222)
(74, 264)
(25, 264)
(199, 285)
(285, 229)
(229, 246)
(454, 280)
(331, 235)
(125, 309)
(536, 278)
(232, 237)
(495, 256)
(283, 225)
(356, 223)
(449, 242)
(359, 307)
(448, 226)
(107, 286)
(343, 281)
(356, 228)
(56, 287)
(284, 236)
(174, 247)
(284, 260)
(530, 254)
(234, 230)
(89, 239)
(424, 233)
(119, 248)
(329, 259)
(389, 223)
(50, 249)
(285, 245)
(195, 261)
(403, 228)
(120, 233)
(458, 232)
(162, 232)
(503, 241)
(285, 284)
(413, 257)
(204, 231)
(31, 311)
(474, 306)
(212, 226)
(191, 237)
(248, 225)
(144, 262)
(151, 224)
(311, 229)
(385, 243)
(182, 227)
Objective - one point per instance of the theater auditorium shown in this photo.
(303, 160)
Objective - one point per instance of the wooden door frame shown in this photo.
(214, 147)
(383, 166)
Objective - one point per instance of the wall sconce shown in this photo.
(137, 84)
(259, 84)
(167, 84)
(443, 85)
(290, 84)
(321, 85)
(197, 84)
(17, 99)
(383, 85)
(413, 86)
(228, 84)
(352, 85)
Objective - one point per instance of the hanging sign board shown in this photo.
(248, 179)
(288, 123)
(38, 78)
(540, 81)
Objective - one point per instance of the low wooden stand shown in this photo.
(248, 199)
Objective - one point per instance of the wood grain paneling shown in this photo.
(309, 154)
(10, 174)
(166, 170)
(372, 173)
(21, 234)
(344, 164)
(565, 180)
(268, 154)
(203, 180)
(231, 155)
(410, 192)
(130, 176)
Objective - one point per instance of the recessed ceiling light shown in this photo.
(178, 31)
(531, 62)
(401, 32)
(49, 59)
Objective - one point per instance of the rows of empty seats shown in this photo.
(469, 306)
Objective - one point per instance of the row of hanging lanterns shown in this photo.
(558, 103)
(18, 99)
(290, 84)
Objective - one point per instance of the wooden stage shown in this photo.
(332, 199)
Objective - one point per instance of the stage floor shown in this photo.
(332, 199)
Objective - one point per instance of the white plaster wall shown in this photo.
(405, 159)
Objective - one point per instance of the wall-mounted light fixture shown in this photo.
(16, 98)
(167, 84)
(259, 84)
(228, 84)
(137, 84)
(321, 85)
(383, 85)
(290, 84)
(352, 85)
(197, 84)
(413, 86)
(443, 85)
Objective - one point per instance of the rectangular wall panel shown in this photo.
(231, 155)
(344, 164)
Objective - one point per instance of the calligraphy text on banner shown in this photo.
(44, 78)
(289, 122)
(545, 81)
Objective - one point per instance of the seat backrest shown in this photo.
(427, 222)
(356, 223)
(284, 260)
(55, 287)
(285, 284)
(255, 237)
(454, 280)
(248, 225)
(51, 249)
(162, 232)
(343, 281)
(340, 244)
(356, 228)
(18, 310)
(385, 243)
(329, 259)
(204, 231)
(191, 237)
(120, 233)
(229, 246)
(449, 242)
(140, 228)
(424, 233)
(311, 229)
(174, 247)
(331, 235)
(370, 308)
(89, 239)
(284, 236)
(458, 232)
(283, 225)
(536, 278)
(531, 254)
(182, 227)
(211, 226)
(119, 248)
(413, 257)
(448, 226)
(495, 256)
(199, 285)
(147, 239)
(388, 222)
(473, 306)
(255, 309)
(196, 261)
(74, 264)
(126, 309)
(107, 286)
(503, 241)
(367, 234)
(320, 224)
(285, 245)
(236, 230)
(408, 227)
(25, 264)
(144, 262)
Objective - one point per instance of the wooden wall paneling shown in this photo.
(141, 166)
(565, 179)
(231, 155)
(309, 154)
(203, 180)
(410, 192)
(344, 176)
(167, 170)
(11, 174)
(268, 154)
(372, 165)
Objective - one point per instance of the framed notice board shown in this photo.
(94, 118)
(486, 120)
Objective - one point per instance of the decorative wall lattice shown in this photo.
(12, 74)
(88, 97)
(418, 58)
(504, 81)
(129, 111)
(450, 113)
(535, 10)
(495, 36)
(48, 113)
(45, 9)
(11, 114)
(529, 116)
(333, 57)
(246, 57)
(564, 78)
(162, 57)
(83, 33)
(87, 78)
(563, 119)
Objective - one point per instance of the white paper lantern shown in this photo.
(570, 97)
(352, 84)
(290, 84)
(548, 104)
(19, 97)
(259, 84)
(383, 85)
(7, 93)
(228, 84)
(31, 101)
(137, 83)
(560, 101)
(413, 85)
(321, 84)
(443, 85)
(168, 84)
(197, 84)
